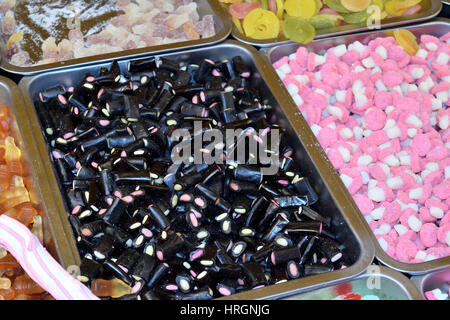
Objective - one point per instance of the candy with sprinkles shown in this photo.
(149, 228)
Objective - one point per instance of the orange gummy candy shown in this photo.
(26, 214)
(114, 288)
(3, 112)
(7, 294)
(8, 262)
(25, 285)
(4, 125)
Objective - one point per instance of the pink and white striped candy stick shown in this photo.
(39, 264)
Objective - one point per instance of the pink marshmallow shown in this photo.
(428, 234)
(425, 215)
(375, 119)
(405, 250)
(421, 144)
(364, 203)
(442, 190)
(392, 211)
(443, 232)
(327, 137)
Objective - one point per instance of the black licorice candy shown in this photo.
(186, 230)
(89, 270)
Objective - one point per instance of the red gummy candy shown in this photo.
(344, 288)
(352, 296)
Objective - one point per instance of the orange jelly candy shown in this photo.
(26, 214)
(7, 294)
(3, 112)
(8, 262)
(25, 285)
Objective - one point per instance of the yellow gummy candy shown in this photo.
(300, 8)
(407, 40)
(238, 24)
(379, 3)
(397, 7)
(280, 9)
(355, 5)
(319, 6)
(261, 24)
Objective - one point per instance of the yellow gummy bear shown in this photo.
(300, 8)
(261, 24)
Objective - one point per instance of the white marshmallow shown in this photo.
(394, 183)
(378, 213)
(376, 194)
(414, 223)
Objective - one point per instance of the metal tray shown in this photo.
(11, 97)
(431, 9)
(437, 28)
(347, 223)
(431, 281)
(387, 285)
(222, 25)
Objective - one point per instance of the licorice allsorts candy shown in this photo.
(144, 267)
(158, 273)
(127, 259)
(254, 275)
(172, 245)
(282, 255)
(118, 272)
(304, 227)
(158, 217)
(148, 64)
(104, 247)
(204, 293)
(115, 211)
(188, 230)
(311, 214)
(89, 270)
(330, 249)
(312, 269)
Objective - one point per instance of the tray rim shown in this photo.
(418, 281)
(406, 284)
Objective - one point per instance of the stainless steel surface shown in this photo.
(11, 97)
(437, 28)
(431, 281)
(431, 9)
(334, 201)
(381, 281)
(222, 25)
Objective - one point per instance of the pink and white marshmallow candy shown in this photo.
(382, 117)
